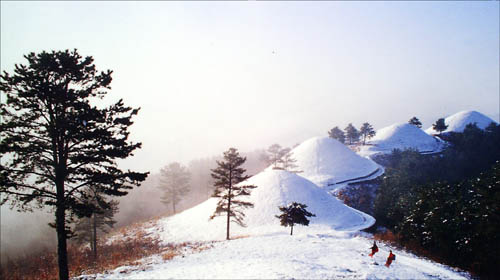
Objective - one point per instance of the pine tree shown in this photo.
(273, 155)
(287, 161)
(174, 181)
(102, 219)
(366, 131)
(337, 133)
(416, 122)
(294, 213)
(55, 142)
(228, 176)
(351, 133)
(440, 126)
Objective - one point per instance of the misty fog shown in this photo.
(29, 232)
(211, 75)
(25, 232)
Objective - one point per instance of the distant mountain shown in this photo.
(401, 136)
(458, 121)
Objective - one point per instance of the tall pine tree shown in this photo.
(287, 161)
(55, 142)
(174, 181)
(273, 155)
(228, 176)
(87, 229)
(366, 131)
(351, 133)
(337, 133)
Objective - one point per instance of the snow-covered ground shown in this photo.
(401, 136)
(326, 161)
(458, 121)
(313, 252)
(332, 246)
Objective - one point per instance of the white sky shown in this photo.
(211, 75)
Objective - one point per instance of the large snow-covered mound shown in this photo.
(401, 136)
(274, 188)
(277, 188)
(324, 161)
(458, 121)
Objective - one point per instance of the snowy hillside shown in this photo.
(274, 188)
(311, 253)
(458, 121)
(330, 247)
(324, 161)
(401, 136)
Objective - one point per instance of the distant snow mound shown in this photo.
(458, 121)
(401, 136)
(324, 161)
(274, 188)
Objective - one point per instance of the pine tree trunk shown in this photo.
(60, 172)
(94, 233)
(62, 253)
(90, 235)
(173, 205)
(228, 215)
(291, 231)
(229, 205)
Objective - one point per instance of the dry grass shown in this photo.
(411, 246)
(239, 237)
(388, 237)
(127, 251)
(169, 255)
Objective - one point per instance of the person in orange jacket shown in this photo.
(390, 258)
(374, 249)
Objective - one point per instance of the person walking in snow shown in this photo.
(390, 258)
(374, 249)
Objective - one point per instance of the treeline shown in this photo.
(351, 135)
(448, 204)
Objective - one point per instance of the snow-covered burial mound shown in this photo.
(324, 161)
(277, 188)
(274, 188)
(401, 136)
(458, 121)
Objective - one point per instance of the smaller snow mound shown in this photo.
(324, 161)
(458, 121)
(401, 136)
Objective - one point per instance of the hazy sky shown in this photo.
(211, 75)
